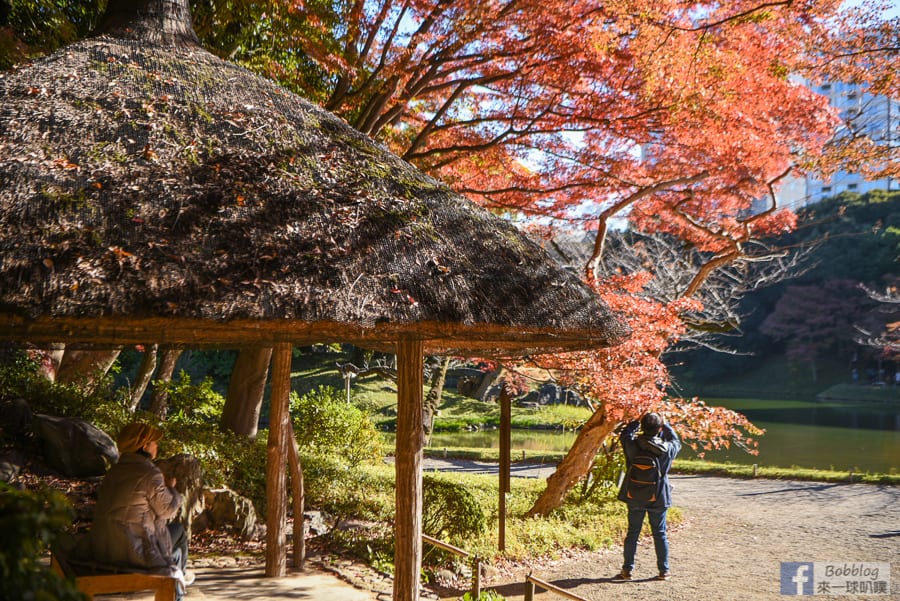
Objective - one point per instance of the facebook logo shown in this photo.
(797, 578)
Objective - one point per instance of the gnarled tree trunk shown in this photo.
(85, 368)
(489, 379)
(433, 400)
(142, 380)
(49, 360)
(575, 465)
(245, 391)
(160, 401)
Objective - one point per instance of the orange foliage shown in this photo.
(630, 379)
(679, 115)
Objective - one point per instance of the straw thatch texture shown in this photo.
(153, 192)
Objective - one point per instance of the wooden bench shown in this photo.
(164, 587)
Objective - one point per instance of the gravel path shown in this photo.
(734, 537)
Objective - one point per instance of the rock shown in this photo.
(315, 523)
(489, 572)
(189, 482)
(15, 420)
(445, 575)
(549, 394)
(11, 463)
(200, 523)
(227, 510)
(493, 394)
(530, 399)
(467, 385)
(73, 447)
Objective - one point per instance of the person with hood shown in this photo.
(646, 488)
(135, 505)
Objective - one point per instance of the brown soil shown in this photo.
(734, 536)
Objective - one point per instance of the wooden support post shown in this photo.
(299, 495)
(408, 466)
(505, 461)
(276, 459)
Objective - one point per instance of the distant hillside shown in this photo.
(799, 337)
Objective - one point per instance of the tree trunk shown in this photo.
(160, 401)
(85, 368)
(145, 373)
(49, 360)
(433, 400)
(245, 391)
(575, 465)
(486, 382)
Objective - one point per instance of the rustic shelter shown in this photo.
(151, 192)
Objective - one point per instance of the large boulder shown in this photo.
(550, 394)
(15, 420)
(189, 482)
(73, 447)
(227, 510)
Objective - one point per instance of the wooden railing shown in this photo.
(531, 581)
(476, 561)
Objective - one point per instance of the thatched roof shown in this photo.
(150, 191)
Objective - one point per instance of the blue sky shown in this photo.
(892, 12)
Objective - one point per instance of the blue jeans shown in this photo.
(179, 551)
(657, 527)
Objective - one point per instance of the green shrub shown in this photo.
(325, 424)
(29, 523)
(488, 595)
(193, 403)
(450, 511)
(365, 492)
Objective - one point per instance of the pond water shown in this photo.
(798, 433)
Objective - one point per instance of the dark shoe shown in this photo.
(664, 576)
(623, 575)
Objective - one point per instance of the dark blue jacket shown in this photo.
(668, 445)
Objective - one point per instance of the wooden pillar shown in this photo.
(408, 465)
(505, 461)
(276, 463)
(298, 492)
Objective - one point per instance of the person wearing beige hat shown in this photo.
(135, 506)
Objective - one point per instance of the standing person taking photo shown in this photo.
(646, 488)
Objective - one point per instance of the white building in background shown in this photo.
(877, 117)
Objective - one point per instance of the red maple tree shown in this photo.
(677, 116)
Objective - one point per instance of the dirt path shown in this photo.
(736, 534)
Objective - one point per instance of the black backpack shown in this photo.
(643, 477)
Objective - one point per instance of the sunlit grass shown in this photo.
(593, 524)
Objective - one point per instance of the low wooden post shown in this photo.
(408, 465)
(276, 456)
(476, 578)
(529, 590)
